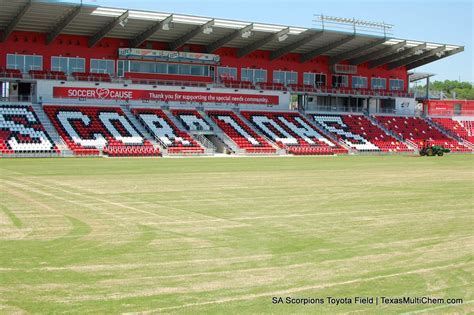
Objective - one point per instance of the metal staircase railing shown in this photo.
(134, 120)
(279, 150)
(208, 145)
(449, 133)
(51, 130)
(209, 148)
(408, 142)
(229, 143)
(328, 134)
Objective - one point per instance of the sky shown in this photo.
(446, 22)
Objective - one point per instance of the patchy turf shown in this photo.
(209, 235)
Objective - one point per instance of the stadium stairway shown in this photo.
(279, 151)
(448, 133)
(219, 134)
(329, 135)
(133, 119)
(52, 132)
(209, 148)
(408, 143)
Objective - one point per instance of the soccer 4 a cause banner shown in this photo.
(164, 96)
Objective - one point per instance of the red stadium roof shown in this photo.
(97, 22)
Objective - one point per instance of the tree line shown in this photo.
(463, 90)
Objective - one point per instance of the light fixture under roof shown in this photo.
(167, 26)
(124, 22)
(246, 34)
(282, 38)
(207, 30)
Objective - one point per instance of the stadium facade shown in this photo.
(90, 80)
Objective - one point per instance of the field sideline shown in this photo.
(210, 235)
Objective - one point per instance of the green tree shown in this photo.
(463, 90)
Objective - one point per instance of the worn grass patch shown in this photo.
(209, 235)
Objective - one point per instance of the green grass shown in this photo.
(209, 235)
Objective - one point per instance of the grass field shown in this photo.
(209, 235)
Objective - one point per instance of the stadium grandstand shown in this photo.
(87, 80)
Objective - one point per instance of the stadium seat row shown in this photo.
(359, 133)
(418, 130)
(22, 132)
(92, 130)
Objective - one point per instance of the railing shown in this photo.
(237, 85)
(386, 111)
(205, 142)
(10, 75)
(18, 98)
(163, 82)
(331, 108)
(56, 77)
(450, 113)
(92, 78)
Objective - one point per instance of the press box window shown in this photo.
(379, 84)
(24, 63)
(228, 73)
(68, 65)
(339, 81)
(359, 82)
(396, 85)
(285, 77)
(102, 66)
(254, 75)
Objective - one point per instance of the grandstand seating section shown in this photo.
(87, 130)
(92, 76)
(166, 132)
(90, 130)
(242, 135)
(292, 132)
(10, 73)
(22, 132)
(359, 133)
(462, 128)
(48, 75)
(418, 131)
(191, 119)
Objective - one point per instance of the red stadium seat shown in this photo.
(359, 133)
(293, 132)
(90, 76)
(87, 130)
(237, 84)
(191, 119)
(272, 86)
(10, 73)
(22, 132)
(48, 75)
(166, 132)
(418, 131)
(241, 134)
(462, 128)
(301, 87)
